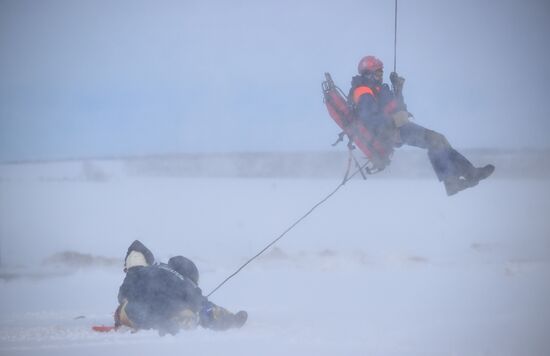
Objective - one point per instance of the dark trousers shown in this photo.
(446, 161)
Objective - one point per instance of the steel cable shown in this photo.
(344, 181)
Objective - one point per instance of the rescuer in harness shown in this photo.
(384, 112)
(166, 297)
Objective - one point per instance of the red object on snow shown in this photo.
(102, 328)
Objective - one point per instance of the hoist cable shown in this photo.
(344, 181)
(395, 40)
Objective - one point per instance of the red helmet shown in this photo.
(369, 64)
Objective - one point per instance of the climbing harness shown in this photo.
(377, 151)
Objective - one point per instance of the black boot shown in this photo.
(218, 318)
(454, 185)
(240, 318)
(482, 173)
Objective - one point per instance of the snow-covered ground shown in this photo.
(384, 267)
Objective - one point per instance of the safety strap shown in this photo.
(351, 157)
(359, 91)
(175, 273)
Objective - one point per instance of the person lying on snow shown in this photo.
(384, 112)
(166, 297)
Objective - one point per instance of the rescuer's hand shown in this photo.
(397, 81)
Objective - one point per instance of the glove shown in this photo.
(400, 118)
(397, 82)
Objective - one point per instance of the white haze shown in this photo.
(390, 266)
(107, 78)
(385, 267)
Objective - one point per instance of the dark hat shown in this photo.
(138, 249)
(185, 267)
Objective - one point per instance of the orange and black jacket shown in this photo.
(374, 104)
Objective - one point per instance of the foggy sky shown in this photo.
(108, 78)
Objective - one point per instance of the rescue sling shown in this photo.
(376, 151)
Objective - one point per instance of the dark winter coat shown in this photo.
(157, 293)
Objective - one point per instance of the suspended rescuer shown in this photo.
(384, 112)
(166, 297)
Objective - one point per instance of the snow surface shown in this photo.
(385, 267)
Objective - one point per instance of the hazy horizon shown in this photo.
(122, 78)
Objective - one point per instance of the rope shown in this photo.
(395, 40)
(344, 181)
